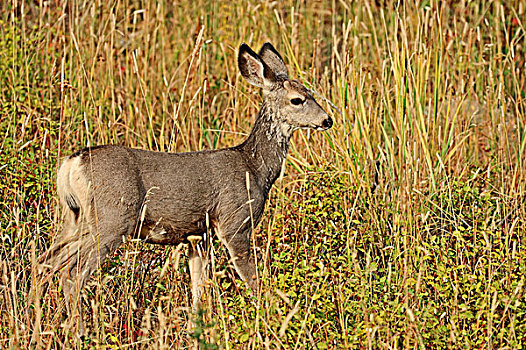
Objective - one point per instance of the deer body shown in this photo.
(111, 193)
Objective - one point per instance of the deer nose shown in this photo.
(327, 123)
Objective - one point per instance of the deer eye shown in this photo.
(297, 101)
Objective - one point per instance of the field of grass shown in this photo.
(403, 226)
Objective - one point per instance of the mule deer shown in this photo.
(110, 193)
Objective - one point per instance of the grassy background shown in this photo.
(432, 100)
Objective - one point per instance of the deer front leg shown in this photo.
(197, 266)
(240, 250)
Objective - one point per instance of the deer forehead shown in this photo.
(295, 89)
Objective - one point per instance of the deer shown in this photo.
(112, 193)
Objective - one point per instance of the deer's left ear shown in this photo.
(254, 69)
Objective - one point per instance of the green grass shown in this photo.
(433, 104)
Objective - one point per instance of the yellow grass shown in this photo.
(429, 107)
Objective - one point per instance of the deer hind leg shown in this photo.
(85, 245)
(88, 254)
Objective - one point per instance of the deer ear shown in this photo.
(254, 69)
(273, 60)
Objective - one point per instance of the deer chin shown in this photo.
(288, 130)
(312, 127)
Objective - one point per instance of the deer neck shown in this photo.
(267, 145)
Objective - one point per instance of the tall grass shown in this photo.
(401, 227)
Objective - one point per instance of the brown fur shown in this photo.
(110, 193)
